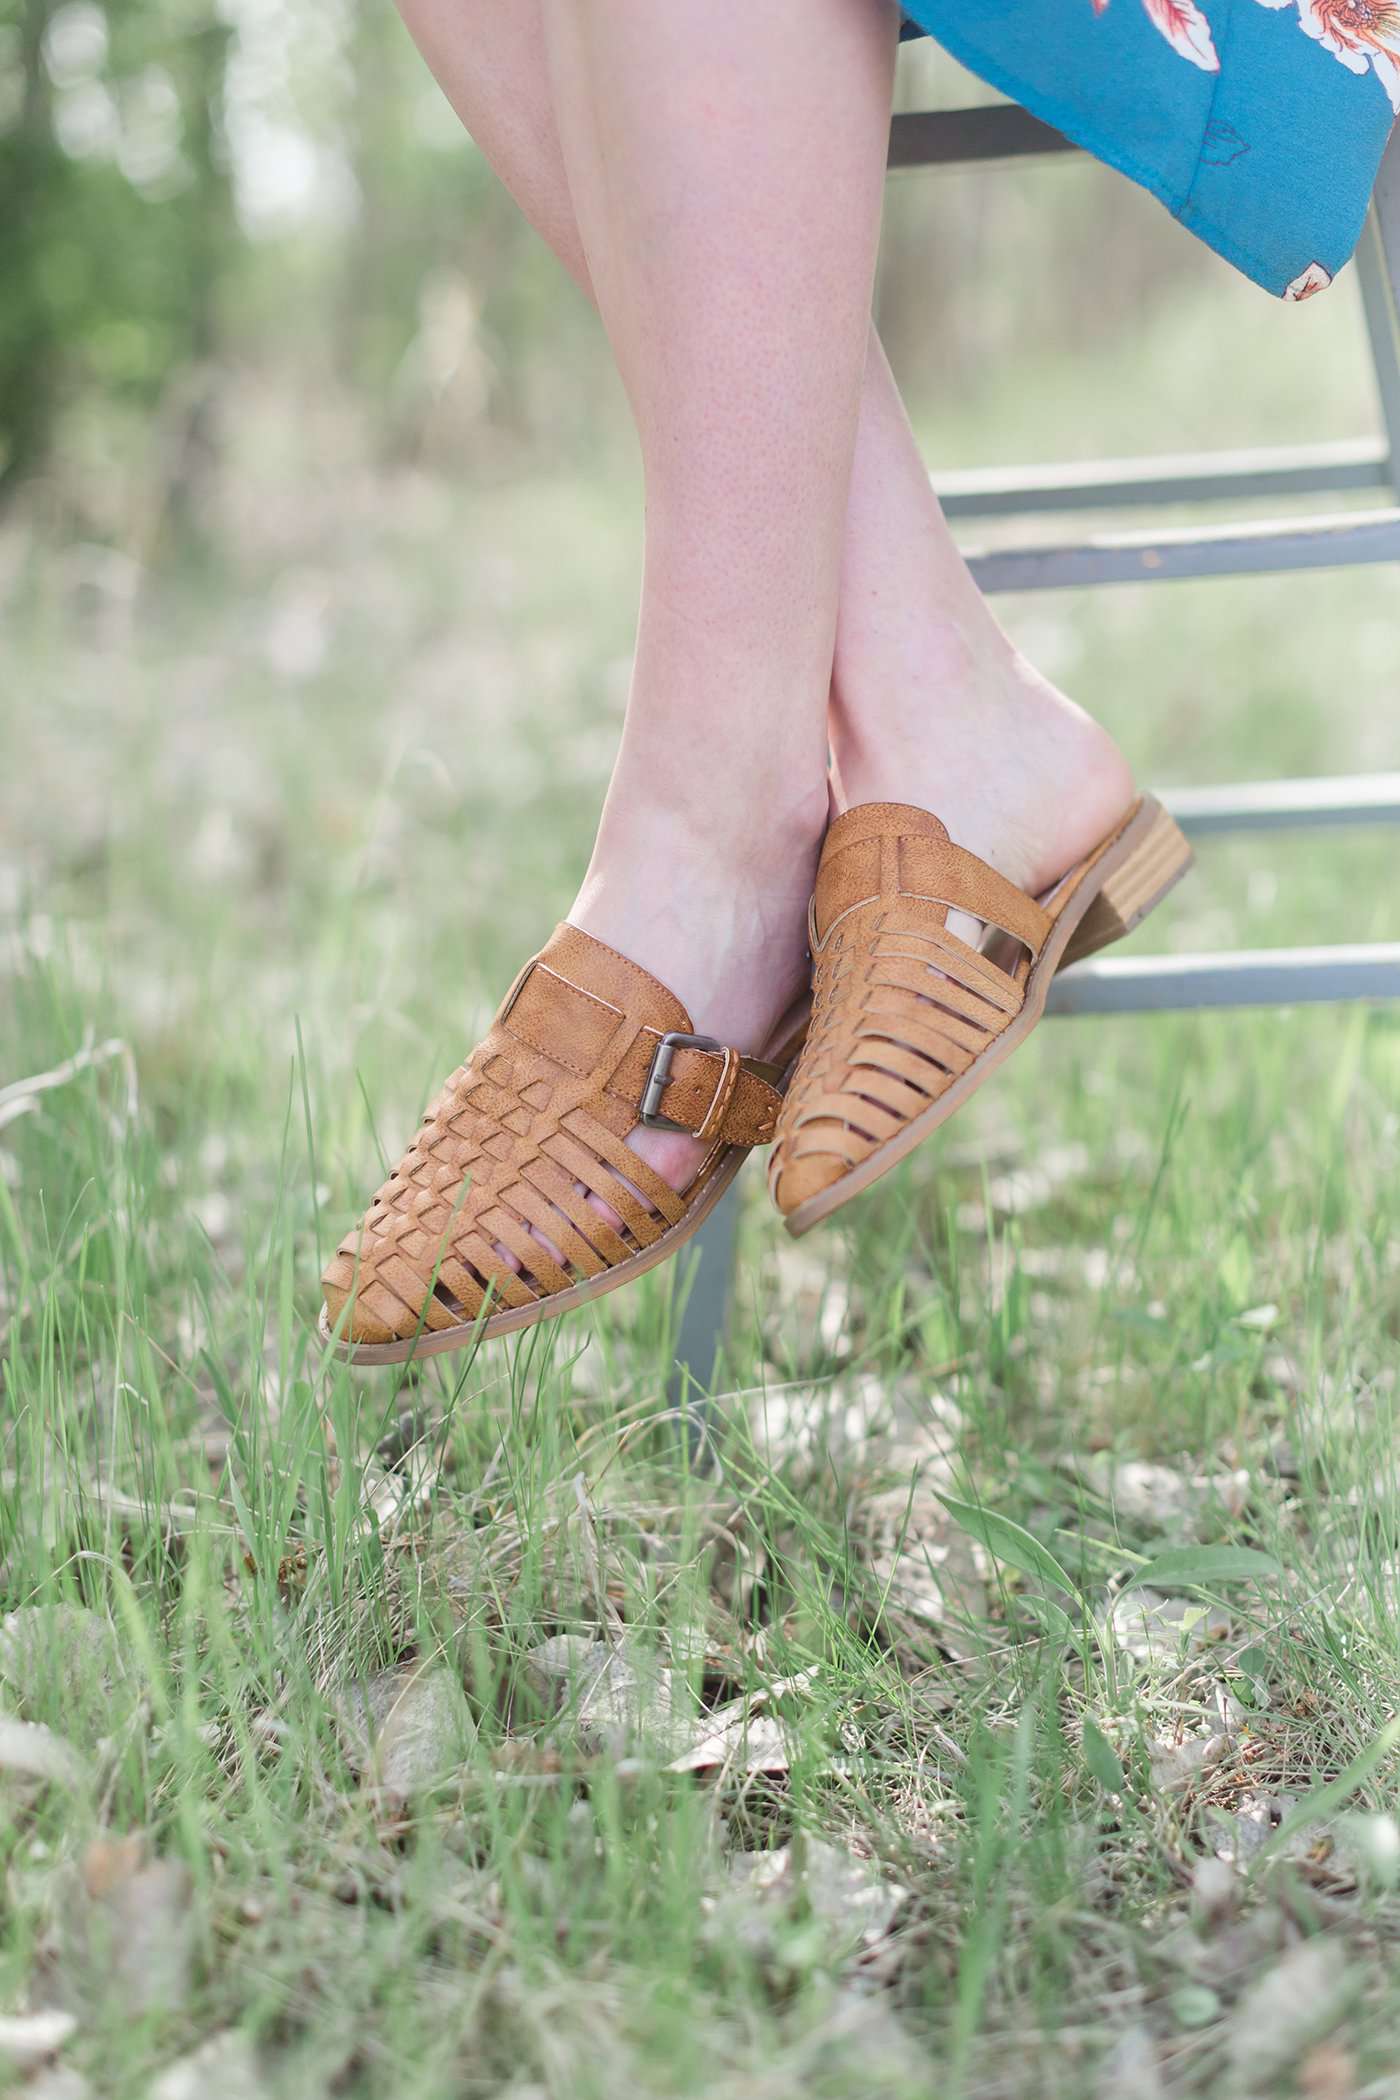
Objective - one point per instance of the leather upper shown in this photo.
(901, 1007)
(526, 1130)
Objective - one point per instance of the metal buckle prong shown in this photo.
(659, 1076)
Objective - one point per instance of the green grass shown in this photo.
(279, 838)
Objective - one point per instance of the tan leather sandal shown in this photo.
(586, 1046)
(907, 1019)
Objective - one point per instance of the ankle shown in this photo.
(1021, 776)
(748, 832)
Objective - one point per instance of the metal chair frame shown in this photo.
(1263, 977)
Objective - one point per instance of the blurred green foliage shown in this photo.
(117, 222)
(227, 224)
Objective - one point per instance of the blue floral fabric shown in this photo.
(1260, 124)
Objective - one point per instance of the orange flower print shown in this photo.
(1185, 29)
(1363, 34)
(1313, 280)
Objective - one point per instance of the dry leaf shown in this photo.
(1160, 1497)
(611, 1699)
(1175, 1765)
(1327, 2072)
(735, 1739)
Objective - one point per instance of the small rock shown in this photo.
(1130, 2070)
(223, 2068)
(57, 2083)
(29, 2039)
(28, 1750)
(126, 1929)
(69, 1663)
(1288, 2010)
(424, 1733)
(1215, 1890)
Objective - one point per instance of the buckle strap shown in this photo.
(674, 1079)
(696, 1084)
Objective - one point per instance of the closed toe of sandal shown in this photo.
(907, 1018)
(520, 1197)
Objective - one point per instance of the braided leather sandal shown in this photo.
(907, 1019)
(485, 1225)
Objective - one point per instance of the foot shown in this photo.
(718, 911)
(1021, 776)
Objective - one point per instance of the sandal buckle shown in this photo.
(659, 1077)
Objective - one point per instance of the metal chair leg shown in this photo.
(706, 1277)
(1380, 297)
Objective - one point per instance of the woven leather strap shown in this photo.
(884, 849)
(901, 1005)
(520, 1182)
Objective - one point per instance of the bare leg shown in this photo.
(697, 158)
(930, 702)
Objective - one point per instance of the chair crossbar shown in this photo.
(930, 138)
(1378, 267)
(1187, 477)
(1163, 556)
(1278, 805)
(1243, 977)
